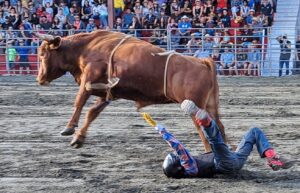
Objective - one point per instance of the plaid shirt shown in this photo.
(186, 160)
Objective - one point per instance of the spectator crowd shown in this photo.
(194, 26)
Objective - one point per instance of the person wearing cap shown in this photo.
(250, 17)
(184, 27)
(181, 164)
(90, 26)
(23, 52)
(285, 53)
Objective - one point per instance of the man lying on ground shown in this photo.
(181, 164)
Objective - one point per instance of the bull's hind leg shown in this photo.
(207, 146)
(91, 115)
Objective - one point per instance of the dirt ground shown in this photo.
(123, 154)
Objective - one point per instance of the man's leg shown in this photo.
(287, 67)
(253, 137)
(280, 67)
(225, 160)
(256, 137)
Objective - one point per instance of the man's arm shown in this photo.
(186, 160)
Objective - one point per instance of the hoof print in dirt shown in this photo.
(67, 131)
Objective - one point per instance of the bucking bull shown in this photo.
(111, 66)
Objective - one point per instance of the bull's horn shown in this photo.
(46, 37)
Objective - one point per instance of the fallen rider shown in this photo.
(181, 164)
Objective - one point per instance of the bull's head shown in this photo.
(51, 59)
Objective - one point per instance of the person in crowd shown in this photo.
(193, 43)
(24, 33)
(2, 17)
(150, 19)
(103, 15)
(119, 25)
(6, 8)
(156, 9)
(184, 29)
(12, 56)
(91, 25)
(175, 36)
(241, 61)
(226, 62)
(45, 24)
(174, 7)
(208, 44)
(181, 164)
(44, 2)
(34, 20)
(86, 11)
(285, 53)
(186, 9)
(14, 17)
(19, 8)
(222, 4)
(208, 8)
(235, 7)
(138, 10)
(32, 9)
(250, 17)
(78, 24)
(135, 27)
(119, 7)
(23, 52)
(226, 41)
(163, 20)
(254, 59)
(225, 18)
(127, 17)
(145, 9)
(267, 10)
(71, 16)
(202, 53)
(245, 9)
(197, 9)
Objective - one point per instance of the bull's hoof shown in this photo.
(77, 141)
(67, 131)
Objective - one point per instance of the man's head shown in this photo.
(189, 107)
(172, 167)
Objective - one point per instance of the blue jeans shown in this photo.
(103, 19)
(230, 162)
(287, 64)
(118, 12)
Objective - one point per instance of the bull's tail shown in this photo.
(213, 100)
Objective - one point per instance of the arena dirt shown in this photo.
(123, 154)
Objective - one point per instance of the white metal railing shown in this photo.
(168, 39)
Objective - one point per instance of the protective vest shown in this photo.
(206, 165)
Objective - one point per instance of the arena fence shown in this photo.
(248, 53)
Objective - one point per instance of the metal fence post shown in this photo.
(6, 56)
(169, 42)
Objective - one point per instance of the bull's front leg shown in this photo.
(81, 98)
(91, 115)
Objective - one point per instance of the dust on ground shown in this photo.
(123, 154)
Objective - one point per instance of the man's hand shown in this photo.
(149, 119)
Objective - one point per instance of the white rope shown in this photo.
(166, 73)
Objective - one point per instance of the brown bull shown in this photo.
(98, 57)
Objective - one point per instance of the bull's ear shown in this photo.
(55, 43)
